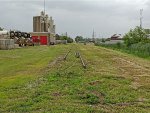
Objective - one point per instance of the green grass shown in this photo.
(48, 85)
(139, 49)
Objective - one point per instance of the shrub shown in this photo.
(135, 36)
(118, 45)
(140, 49)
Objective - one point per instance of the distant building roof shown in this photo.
(116, 37)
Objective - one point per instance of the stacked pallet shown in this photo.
(6, 44)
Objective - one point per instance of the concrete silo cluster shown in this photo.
(43, 30)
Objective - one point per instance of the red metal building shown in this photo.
(43, 38)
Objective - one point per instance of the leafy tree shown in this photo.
(57, 37)
(103, 40)
(1, 29)
(69, 40)
(79, 38)
(135, 36)
(147, 31)
(63, 37)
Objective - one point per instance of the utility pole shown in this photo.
(44, 6)
(93, 35)
(44, 19)
(66, 34)
(141, 18)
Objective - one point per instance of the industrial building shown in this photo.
(43, 29)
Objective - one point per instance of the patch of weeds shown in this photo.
(121, 95)
(90, 110)
(90, 99)
(58, 74)
(145, 106)
(91, 88)
(41, 98)
(116, 78)
(93, 110)
(113, 77)
(21, 106)
(70, 74)
(67, 74)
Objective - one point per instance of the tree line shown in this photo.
(137, 35)
(62, 37)
(1, 29)
(136, 41)
(81, 39)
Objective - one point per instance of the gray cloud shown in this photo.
(77, 17)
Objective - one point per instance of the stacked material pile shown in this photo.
(6, 44)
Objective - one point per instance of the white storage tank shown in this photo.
(7, 44)
(4, 32)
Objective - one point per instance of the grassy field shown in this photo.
(36, 79)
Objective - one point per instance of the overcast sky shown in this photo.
(77, 17)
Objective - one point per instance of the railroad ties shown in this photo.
(77, 55)
(82, 61)
(65, 57)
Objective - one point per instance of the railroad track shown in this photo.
(77, 55)
(65, 57)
